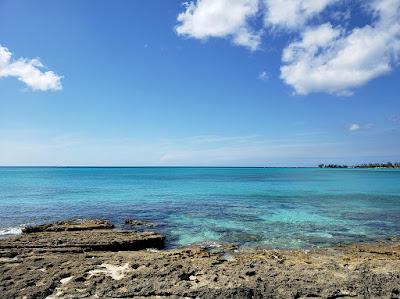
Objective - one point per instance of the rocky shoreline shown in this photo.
(88, 259)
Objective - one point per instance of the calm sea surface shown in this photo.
(279, 207)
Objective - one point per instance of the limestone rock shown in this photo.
(72, 225)
(86, 240)
(102, 264)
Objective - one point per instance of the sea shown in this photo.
(272, 207)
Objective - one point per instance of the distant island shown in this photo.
(369, 165)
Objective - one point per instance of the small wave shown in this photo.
(209, 244)
(10, 231)
(152, 250)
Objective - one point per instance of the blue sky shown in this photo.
(208, 82)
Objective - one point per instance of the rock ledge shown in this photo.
(83, 235)
(72, 225)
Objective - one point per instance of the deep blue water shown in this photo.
(279, 207)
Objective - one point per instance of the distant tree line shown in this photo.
(369, 165)
(332, 166)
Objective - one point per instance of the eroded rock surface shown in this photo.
(86, 241)
(82, 235)
(209, 270)
(72, 225)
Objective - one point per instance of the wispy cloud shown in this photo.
(213, 138)
(357, 127)
(31, 148)
(256, 154)
(263, 76)
(394, 119)
(28, 71)
(35, 147)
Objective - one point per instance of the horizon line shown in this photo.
(98, 166)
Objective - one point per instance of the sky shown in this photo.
(199, 83)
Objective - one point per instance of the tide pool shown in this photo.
(278, 207)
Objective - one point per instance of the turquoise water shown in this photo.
(279, 207)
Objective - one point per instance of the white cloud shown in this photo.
(263, 76)
(28, 71)
(292, 14)
(220, 18)
(356, 127)
(328, 59)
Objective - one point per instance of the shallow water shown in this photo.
(279, 207)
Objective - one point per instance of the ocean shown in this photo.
(274, 207)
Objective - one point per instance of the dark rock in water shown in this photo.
(136, 222)
(72, 225)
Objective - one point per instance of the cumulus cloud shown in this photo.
(292, 14)
(325, 58)
(332, 60)
(28, 71)
(224, 18)
(220, 18)
(356, 127)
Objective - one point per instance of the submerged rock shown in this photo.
(136, 222)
